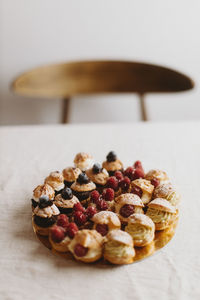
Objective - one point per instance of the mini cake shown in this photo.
(112, 163)
(126, 205)
(70, 175)
(82, 188)
(40, 191)
(157, 177)
(56, 181)
(106, 221)
(141, 228)
(44, 216)
(83, 161)
(143, 188)
(167, 192)
(119, 248)
(98, 175)
(87, 245)
(66, 201)
(162, 213)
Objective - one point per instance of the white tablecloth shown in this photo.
(30, 271)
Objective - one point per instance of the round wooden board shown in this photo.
(161, 239)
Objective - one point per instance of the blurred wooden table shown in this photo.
(29, 270)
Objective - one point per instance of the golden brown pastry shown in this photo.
(82, 188)
(59, 241)
(141, 228)
(44, 216)
(159, 175)
(119, 248)
(70, 175)
(105, 221)
(167, 192)
(40, 191)
(83, 161)
(87, 245)
(66, 201)
(128, 204)
(56, 181)
(145, 187)
(112, 163)
(98, 175)
(162, 213)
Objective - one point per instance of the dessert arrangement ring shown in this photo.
(105, 212)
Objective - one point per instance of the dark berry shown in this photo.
(91, 211)
(78, 207)
(138, 173)
(67, 193)
(125, 183)
(109, 194)
(119, 175)
(138, 164)
(102, 205)
(111, 156)
(94, 196)
(80, 251)
(126, 210)
(128, 172)
(96, 168)
(45, 202)
(79, 218)
(62, 221)
(155, 182)
(137, 190)
(57, 233)
(102, 229)
(83, 179)
(112, 183)
(72, 229)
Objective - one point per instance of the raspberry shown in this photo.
(94, 196)
(129, 171)
(102, 229)
(155, 182)
(102, 205)
(72, 229)
(91, 211)
(126, 210)
(138, 173)
(62, 220)
(125, 183)
(57, 233)
(138, 164)
(119, 175)
(79, 218)
(78, 207)
(79, 250)
(112, 183)
(109, 194)
(137, 190)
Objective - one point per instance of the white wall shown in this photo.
(37, 32)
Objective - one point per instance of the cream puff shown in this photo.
(87, 245)
(44, 216)
(128, 204)
(119, 248)
(167, 192)
(105, 221)
(112, 163)
(98, 175)
(58, 238)
(66, 201)
(157, 177)
(162, 213)
(143, 188)
(70, 175)
(141, 228)
(83, 161)
(56, 181)
(40, 191)
(82, 188)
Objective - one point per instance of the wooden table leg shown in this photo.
(65, 111)
(143, 108)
